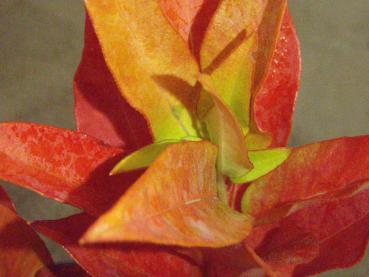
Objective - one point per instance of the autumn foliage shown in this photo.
(180, 164)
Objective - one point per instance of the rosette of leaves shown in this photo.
(180, 163)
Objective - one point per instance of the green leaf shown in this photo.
(224, 130)
(145, 156)
(264, 161)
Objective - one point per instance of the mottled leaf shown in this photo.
(67, 166)
(110, 260)
(274, 102)
(63, 270)
(176, 197)
(22, 252)
(140, 46)
(310, 171)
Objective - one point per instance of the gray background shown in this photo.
(40, 47)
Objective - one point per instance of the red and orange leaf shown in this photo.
(181, 14)
(274, 102)
(174, 202)
(115, 260)
(268, 34)
(310, 171)
(141, 49)
(67, 166)
(231, 18)
(22, 252)
(100, 110)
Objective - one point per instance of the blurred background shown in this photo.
(41, 44)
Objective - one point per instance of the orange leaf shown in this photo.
(174, 202)
(22, 252)
(141, 48)
(231, 18)
(181, 14)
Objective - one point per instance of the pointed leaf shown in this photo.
(114, 260)
(263, 161)
(139, 45)
(100, 109)
(310, 171)
(224, 131)
(231, 18)
(177, 198)
(268, 34)
(181, 14)
(232, 78)
(144, 157)
(274, 102)
(67, 166)
(22, 252)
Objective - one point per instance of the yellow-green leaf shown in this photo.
(232, 79)
(224, 131)
(263, 161)
(175, 202)
(144, 156)
(140, 47)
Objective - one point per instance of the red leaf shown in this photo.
(342, 230)
(310, 171)
(118, 259)
(22, 252)
(314, 239)
(275, 101)
(100, 110)
(67, 166)
(63, 270)
(5, 200)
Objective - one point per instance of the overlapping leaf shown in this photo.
(309, 172)
(100, 109)
(181, 14)
(5, 200)
(224, 130)
(307, 241)
(22, 252)
(60, 164)
(138, 61)
(192, 215)
(274, 102)
(231, 18)
(115, 260)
